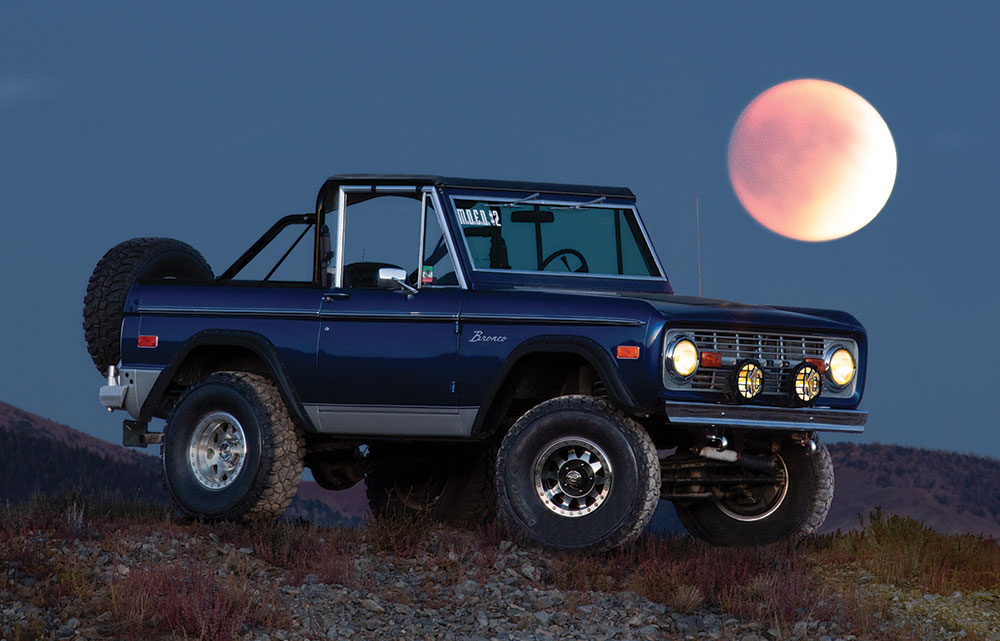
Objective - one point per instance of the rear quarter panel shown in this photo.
(284, 316)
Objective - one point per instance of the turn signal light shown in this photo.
(818, 363)
(711, 359)
(149, 341)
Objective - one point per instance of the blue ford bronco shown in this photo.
(473, 348)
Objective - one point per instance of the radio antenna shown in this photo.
(697, 225)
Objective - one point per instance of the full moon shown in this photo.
(812, 160)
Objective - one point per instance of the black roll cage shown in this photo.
(292, 219)
(316, 219)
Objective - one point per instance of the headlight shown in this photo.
(841, 367)
(684, 357)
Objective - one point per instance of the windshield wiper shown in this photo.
(522, 200)
(595, 201)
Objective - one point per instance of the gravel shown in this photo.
(432, 594)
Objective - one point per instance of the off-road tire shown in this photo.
(800, 514)
(634, 485)
(451, 485)
(275, 448)
(125, 264)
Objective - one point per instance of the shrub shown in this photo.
(191, 603)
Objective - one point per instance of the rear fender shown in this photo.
(251, 341)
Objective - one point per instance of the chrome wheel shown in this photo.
(217, 450)
(572, 477)
(757, 502)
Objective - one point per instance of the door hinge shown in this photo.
(453, 386)
(458, 327)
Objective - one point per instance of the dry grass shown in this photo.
(904, 552)
(300, 549)
(193, 603)
(776, 586)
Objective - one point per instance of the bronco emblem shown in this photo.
(479, 337)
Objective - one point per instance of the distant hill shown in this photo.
(948, 491)
(39, 456)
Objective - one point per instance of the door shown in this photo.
(387, 357)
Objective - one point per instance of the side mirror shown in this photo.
(394, 278)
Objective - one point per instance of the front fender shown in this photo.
(586, 348)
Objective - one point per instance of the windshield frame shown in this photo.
(559, 200)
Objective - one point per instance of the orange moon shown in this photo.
(812, 160)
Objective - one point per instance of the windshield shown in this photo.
(554, 238)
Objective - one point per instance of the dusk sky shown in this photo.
(207, 121)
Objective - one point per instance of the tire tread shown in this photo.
(108, 287)
(282, 450)
(647, 461)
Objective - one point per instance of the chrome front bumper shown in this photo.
(766, 418)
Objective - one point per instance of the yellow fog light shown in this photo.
(748, 380)
(684, 357)
(806, 384)
(840, 366)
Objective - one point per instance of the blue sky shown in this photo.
(207, 121)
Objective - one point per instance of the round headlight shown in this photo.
(684, 357)
(841, 366)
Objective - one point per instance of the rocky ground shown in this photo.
(74, 579)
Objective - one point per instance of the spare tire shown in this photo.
(125, 264)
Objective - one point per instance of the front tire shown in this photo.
(577, 473)
(790, 512)
(231, 451)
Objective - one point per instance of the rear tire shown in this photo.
(800, 512)
(125, 264)
(577, 473)
(231, 451)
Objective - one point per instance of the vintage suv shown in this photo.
(469, 347)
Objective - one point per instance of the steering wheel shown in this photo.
(583, 268)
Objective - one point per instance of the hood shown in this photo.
(684, 310)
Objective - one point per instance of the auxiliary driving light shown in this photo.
(684, 357)
(840, 367)
(806, 384)
(747, 380)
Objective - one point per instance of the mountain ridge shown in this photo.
(948, 491)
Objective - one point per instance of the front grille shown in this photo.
(777, 354)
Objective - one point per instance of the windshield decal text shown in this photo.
(478, 217)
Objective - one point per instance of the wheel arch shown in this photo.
(220, 350)
(585, 350)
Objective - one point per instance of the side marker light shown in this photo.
(627, 352)
(149, 341)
